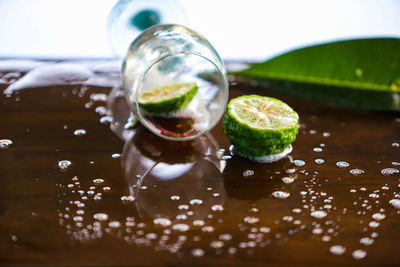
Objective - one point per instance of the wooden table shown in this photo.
(216, 209)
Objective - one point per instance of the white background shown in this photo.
(243, 30)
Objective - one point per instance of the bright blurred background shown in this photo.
(247, 30)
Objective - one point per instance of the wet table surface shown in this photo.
(78, 189)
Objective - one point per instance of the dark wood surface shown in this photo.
(39, 224)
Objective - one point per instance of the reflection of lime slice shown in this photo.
(167, 98)
(259, 126)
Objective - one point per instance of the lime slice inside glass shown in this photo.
(168, 98)
(260, 126)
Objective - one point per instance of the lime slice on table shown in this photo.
(260, 126)
(168, 98)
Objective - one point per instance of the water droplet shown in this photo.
(299, 162)
(319, 161)
(217, 208)
(337, 250)
(198, 223)
(225, 237)
(116, 155)
(326, 134)
(100, 216)
(395, 145)
(79, 132)
(247, 173)
(127, 199)
(98, 97)
(296, 210)
(356, 172)
(174, 197)
(366, 241)
(183, 207)
(106, 120)
(114, 224)
(197, 252)
(265, 229)
(342, 164)
(359, 254)
(196, 202)
(326, 238)
(395, 203)
(217, 244)
(164, 222)
(101, 110)
(280, 194)
(208, 229)
(317, 149)
(181, 227)
(287, 180)
(251, 219)
(106, 188)
(98, 181)
(395, 163)
(64, 164)
(319, 214)
(389, 171)
(5, 143)
(373, 224)
(378, 216)
(317, 231)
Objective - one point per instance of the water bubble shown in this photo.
(100, 216)
(208, 229)
(287, 180)
(319, 214)
(174, 197)
(317, 149)
(116, 155)
(217, 244)
(98, 97)
(296, 210)
(181, 227)
(106, 188)
(373, 224)
(389, 171)
(337, 250)
(342, 164)
(378, 216)
(196, 202)
(197, 252)
(183, 207)
(198, 223)
(395, 145)
(251, 219)
(299, 162)
(217, 208)
(64, 164)
(356, 172)
(225, 237)
(359, 254)
(80, 132)
(326, 238)
(326, 134)
(366, 241)
(280, 194)
(319, 161)
(129, 198)
(114, 224)
(247, 173)
(164, 222)
(5, 143)
(317, 231)
(395, 163)
(101, 110)
(106, 120)
(265, 229)
(395, 203)
(98, 181)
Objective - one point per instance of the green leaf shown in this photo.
(363, 73)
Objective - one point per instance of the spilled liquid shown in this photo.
(77, 187)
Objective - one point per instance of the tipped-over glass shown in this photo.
(175, 82)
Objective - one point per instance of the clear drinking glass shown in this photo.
(128, 18)
(167, 56)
